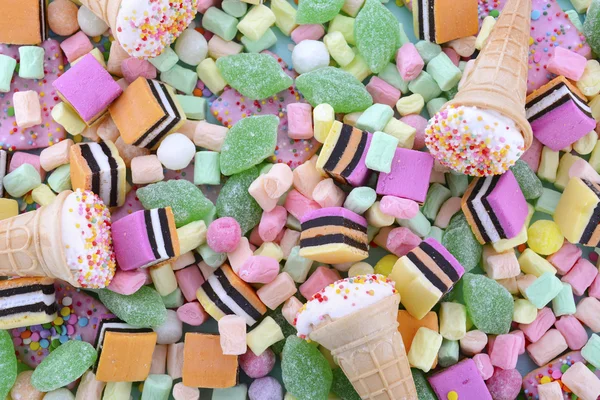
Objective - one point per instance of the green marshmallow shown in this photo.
(381, 152)
(574, 18)
(403, 37)
(7, 68)
(544, 289)
(436, 196)
(435, 105)
(427, 50)
(372, 231)
(233, 393)
(173, 299)
(564, 302)
(418, 224)
(435, 233)
(60, 179)
(375, 118)
(297, 266)
(194, 107)
(448, 353)
(157, 387)
(442, 69)
(180, 78)
(425, 85)
(391, 75)
(166, 60)
(591, 351)
(235, 8)
(457, 183)
(211, 257)
(31, 64)
(267, 40)
(220, 23)
(207, 170)
(22, 180)
(548, 201)
(360, 199)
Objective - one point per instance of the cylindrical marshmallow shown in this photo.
(328, 194)
(300, 124)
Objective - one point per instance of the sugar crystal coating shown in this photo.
(235, 201)
(8, 364)
(342, 387)
(530, 184)
(461, 243)
(317, 11)
(144, 308)
(489, 305)
(424, 391)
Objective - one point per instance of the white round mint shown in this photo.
(309, 55)
(191, 47)
(59, 394)
(176, 151)
(89, 23)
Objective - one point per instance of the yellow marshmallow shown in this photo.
(401, 131)
(412, 104)
(264, 335)
(163, 278)
(209, 74)
(424, 349)
(345, 25)
(323, 117)
(562, 175)
(589, 83)
(453, 321)
(43, 195)
(64, 115)
(270, 249)
(548, 165)
(8, 208)
(586, 144)
(534, 264)
(360, 268)
(285, 16)
(256, 22)
(358, 67)
(191, 236)
(338, 48)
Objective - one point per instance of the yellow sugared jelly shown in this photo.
(575, 209)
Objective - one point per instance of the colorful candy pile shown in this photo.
(326, 199)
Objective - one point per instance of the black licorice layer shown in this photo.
(333, 220)
(429, 274)
(235, 295)
(559, 102)
(13, 291)
(30, 308)
(594, 220)
(333, 239)
(441, 261)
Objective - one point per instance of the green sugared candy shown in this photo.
(64, 365)
(489, 305)
(424, 391)
(317, 11)
(305, 371)
(591, 26)
(157, 387)
(342, 387)
(461, 243)
(143, 309)
(377, 35)
(285, 326)
(235, 201)
(248, 143)
(256, 76)
(530, 184)
(340, 89)
(8, 364)
(185, 199)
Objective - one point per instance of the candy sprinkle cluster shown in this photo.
(89, 251)
(474, 142)
(146, 27)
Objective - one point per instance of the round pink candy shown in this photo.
(259, 269)
(224, 235)
(419, 123)
(267, 388)
(505, 384)
(399, 207)
(257, 366)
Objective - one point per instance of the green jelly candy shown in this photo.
(143, 309)
(461, 243)
(591, 26)
(8, 364)
(157, 387)
(377, 34)
(235, 201)
(530, 184)
(248, 143)
(317, 11)
(255, 75)
(285, 326)
(342, 387)
(424, 391)
(340, 89)
(489, 305)
(186, 200)
(305, 371)
(64, 365)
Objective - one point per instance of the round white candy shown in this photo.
(191, 47)
(309, 55)
(89, 23)
(59, 394)
(170, 332)
(176, 151)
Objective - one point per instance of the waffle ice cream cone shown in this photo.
(368, 347)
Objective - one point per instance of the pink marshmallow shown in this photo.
(300, 121)
(175, 360)
(594, 290)
(582, 381)
(328, 194)
(398, 207)
(255, 238)
(548, 347)
(382, 237)
(437, 177)
(278, 180)
(76, 46)
(116, 56)
(581, 276)
(307, 32)
(275, 293)
(189, 280)
(19, 158)
(232, 331)
(290, 309)
(192, 314)
(258, 192)
(506, 351)
(533, 155)
(204, 5)
(382, 92)
(159, 359)
(409, 62)
(271, 223)
(588, 312)
(223, 235)
(184, 260)
(401, 241)
(306, 178)
(218, 47)
(500, 265)
(133, 68)
(447, 211)
(128, 282)
(484, 365)
(473, 342)
(573, 331)
(582, 169)
(452, 55)
(238, 257)
(298, 205)
(535, 330)
(522, 337)
(259, 269)
(321, 278)
(567, 63)
(565, 258)
(54, 156)
(419, 123)
(290, 239)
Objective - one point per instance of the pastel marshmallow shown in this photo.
(258, 192)
(573, 332)
(306, 177)
(276, 292)
(278, 180)
(328, 194)
(582, 381)
(300, 124)
(20, 157)
(290, 309)
(232, 331)
(76, 46)
(129, 282)
(581, 276)
(565, 258)
(238, 257)
(54, 156)
(484, 365)
(567, 63)
(588, 312)
(447, 211)
(400, 208)
(382, 92)
(409, 62)
(146, 169)
(473, 342)
(307, 32)
(321, 278)
(192, 314)
(259, 269)
(27, 109)
(548, 347)
(189, 280)
(506, 351)
(535, 330)
(298, 205)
